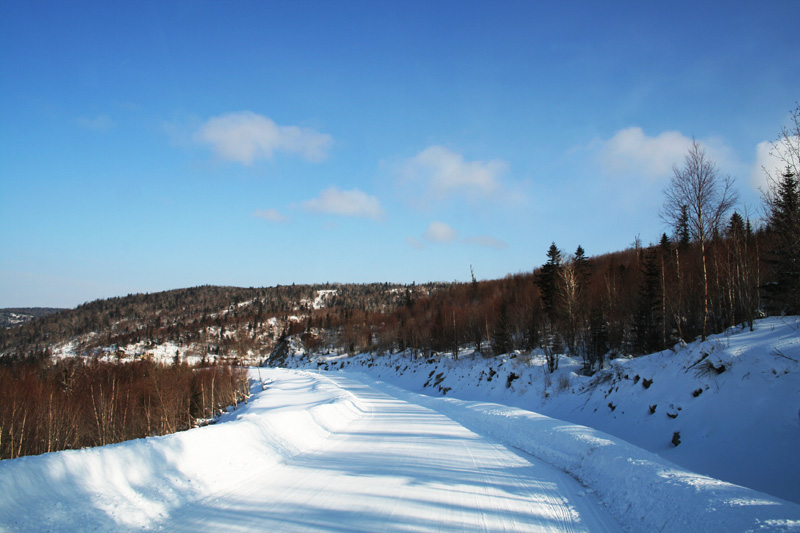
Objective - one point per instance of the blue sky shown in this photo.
(147, 146)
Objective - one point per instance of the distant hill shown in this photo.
(226, 321)
(636, 301)
(17, 315)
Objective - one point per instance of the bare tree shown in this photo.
(786, 153)
(698, 190)
(568, 300)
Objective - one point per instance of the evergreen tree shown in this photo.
(598, 340)
(548, 280)
(474, 284)
(682, 231)
(664, 243)
(647, 324)
(501, 336)
(740, 296)
(736, 227)
(582, 267)
(783, 206)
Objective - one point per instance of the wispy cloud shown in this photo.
(443, 172)
(98, 123)
(353, 203)
(487, 241)
(415, 243)
(440, 232)
(273, 215)
(632, 152)
(246, 136)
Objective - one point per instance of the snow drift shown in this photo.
(733, 401)
(132, 484)
(643, 491)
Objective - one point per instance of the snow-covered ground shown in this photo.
(733, 402)
(141, 483)
(351, 451)
(342, 452)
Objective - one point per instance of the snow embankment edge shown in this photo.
(642, 490)
(136, 483)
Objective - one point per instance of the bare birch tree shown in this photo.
(785, 152)
(698, 189)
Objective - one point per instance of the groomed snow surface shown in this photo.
(342, 451)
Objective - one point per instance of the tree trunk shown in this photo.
(705, 287)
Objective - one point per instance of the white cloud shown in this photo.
(631, 151)
(246, 136)
(415, 243)
(487, 241)
(775, 164)
(354, 203)
(763, 161)
(440, 232)
(445, 172)
(270, 214)
(98, 123)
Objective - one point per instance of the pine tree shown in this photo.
(648, 310)
(474, 284)
(501, 336)
(682, 231)
(740, 281)
(783, 205)
(598, 340)
(582, 267)
(736, 226)
(548, 280)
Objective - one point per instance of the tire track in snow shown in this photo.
(401, 467)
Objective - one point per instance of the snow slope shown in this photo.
(342, 452)
(135, 484)
(643, 491)
(741, 425)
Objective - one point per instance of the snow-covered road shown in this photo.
(400, 467)
(341, 451)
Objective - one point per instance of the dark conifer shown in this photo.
(501, 336)
(648, 311)
(548, 280)
(783, 205)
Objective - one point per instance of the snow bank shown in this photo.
(643, 491)
(734, 400)
(136, 483)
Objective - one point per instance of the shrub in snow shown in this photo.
(676, 438)
(511, 377)
(708, 368)
(563, 382)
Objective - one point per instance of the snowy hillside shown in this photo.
(731, 404)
